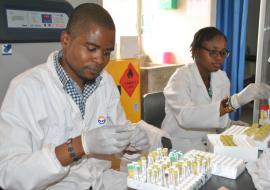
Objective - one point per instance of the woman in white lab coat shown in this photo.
(198, 94)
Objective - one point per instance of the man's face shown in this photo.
(87, 52)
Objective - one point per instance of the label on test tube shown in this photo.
(264, 112)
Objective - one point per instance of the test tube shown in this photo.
(136, 170)
(144, 169)
(171, 177)
(130, 167)
(164, 153)
(163, 174)
(150, 175)
(175, 177)
(150, 159)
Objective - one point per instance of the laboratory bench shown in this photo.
(244, 181)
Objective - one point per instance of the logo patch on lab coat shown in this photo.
(101, 119)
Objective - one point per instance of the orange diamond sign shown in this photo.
(130, 79)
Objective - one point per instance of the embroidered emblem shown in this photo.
(101, 119)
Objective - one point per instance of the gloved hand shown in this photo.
(251, 92)
(106, 139)
(139, 139)
(139, 145)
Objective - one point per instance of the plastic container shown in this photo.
(168, 58)
(264, 113)
(218, 165)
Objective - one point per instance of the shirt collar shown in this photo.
(63, 77)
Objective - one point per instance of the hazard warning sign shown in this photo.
(130, 79)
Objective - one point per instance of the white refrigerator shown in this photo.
(22, 57)
(263, 53)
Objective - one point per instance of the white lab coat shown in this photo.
(190, 112)
(260, 171)
(37, 115)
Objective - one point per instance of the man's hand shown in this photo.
(106, 139)
(139, 139)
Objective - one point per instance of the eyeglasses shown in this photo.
(214, 53)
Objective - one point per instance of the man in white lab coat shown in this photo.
(59, 119)
(198, 94)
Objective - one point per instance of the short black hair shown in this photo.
(202, 35)
(86, 14)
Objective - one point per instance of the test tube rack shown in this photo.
(240, 130)
(242, 147)
(223, 166)
(219, 165)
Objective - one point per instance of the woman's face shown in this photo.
(210, 56)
